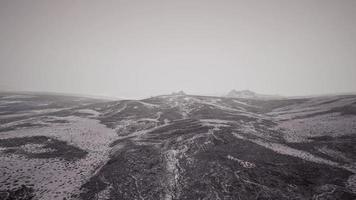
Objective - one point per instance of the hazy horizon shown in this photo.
(137, 49)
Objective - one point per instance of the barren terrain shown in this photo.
(177, 147)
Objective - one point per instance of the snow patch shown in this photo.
(36, 148)
(89, 111)
(286, 150)
(56, 178)
(243, 163)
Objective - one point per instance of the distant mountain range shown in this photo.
(247, 94)
(179, 93)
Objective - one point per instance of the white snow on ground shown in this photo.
(30, 113)
(34, 120)
(188, 104)
(43, 104)
(148, 119)
(18, 96)
(149, 105)
(299, 130)
(283, 149)
(220, 106)
(216, 122)
(334, 154)
(245, 104)
(122, 124)
(173, 173)
(185, 110)
(241, 102)
(187, 98)
(249, 128)
(185, 105)
(89, 111)
(173, 187)
(124, 127)
(311, 106)
(191, 103)
(56, 178)
(50, 110)
(114, 111)
(15, 115)
(3, 102)
(35, 148)
(243, 163)
(286, 150)
(241, 111)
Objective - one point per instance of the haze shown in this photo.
(135, 49)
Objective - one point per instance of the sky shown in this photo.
(136, 49)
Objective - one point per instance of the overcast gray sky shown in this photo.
(136, 49)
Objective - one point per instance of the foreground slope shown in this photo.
(179, 147)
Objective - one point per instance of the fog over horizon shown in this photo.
(136, 49)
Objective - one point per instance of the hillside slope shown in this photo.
(179, 147)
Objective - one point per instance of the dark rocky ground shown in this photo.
(198, 147)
